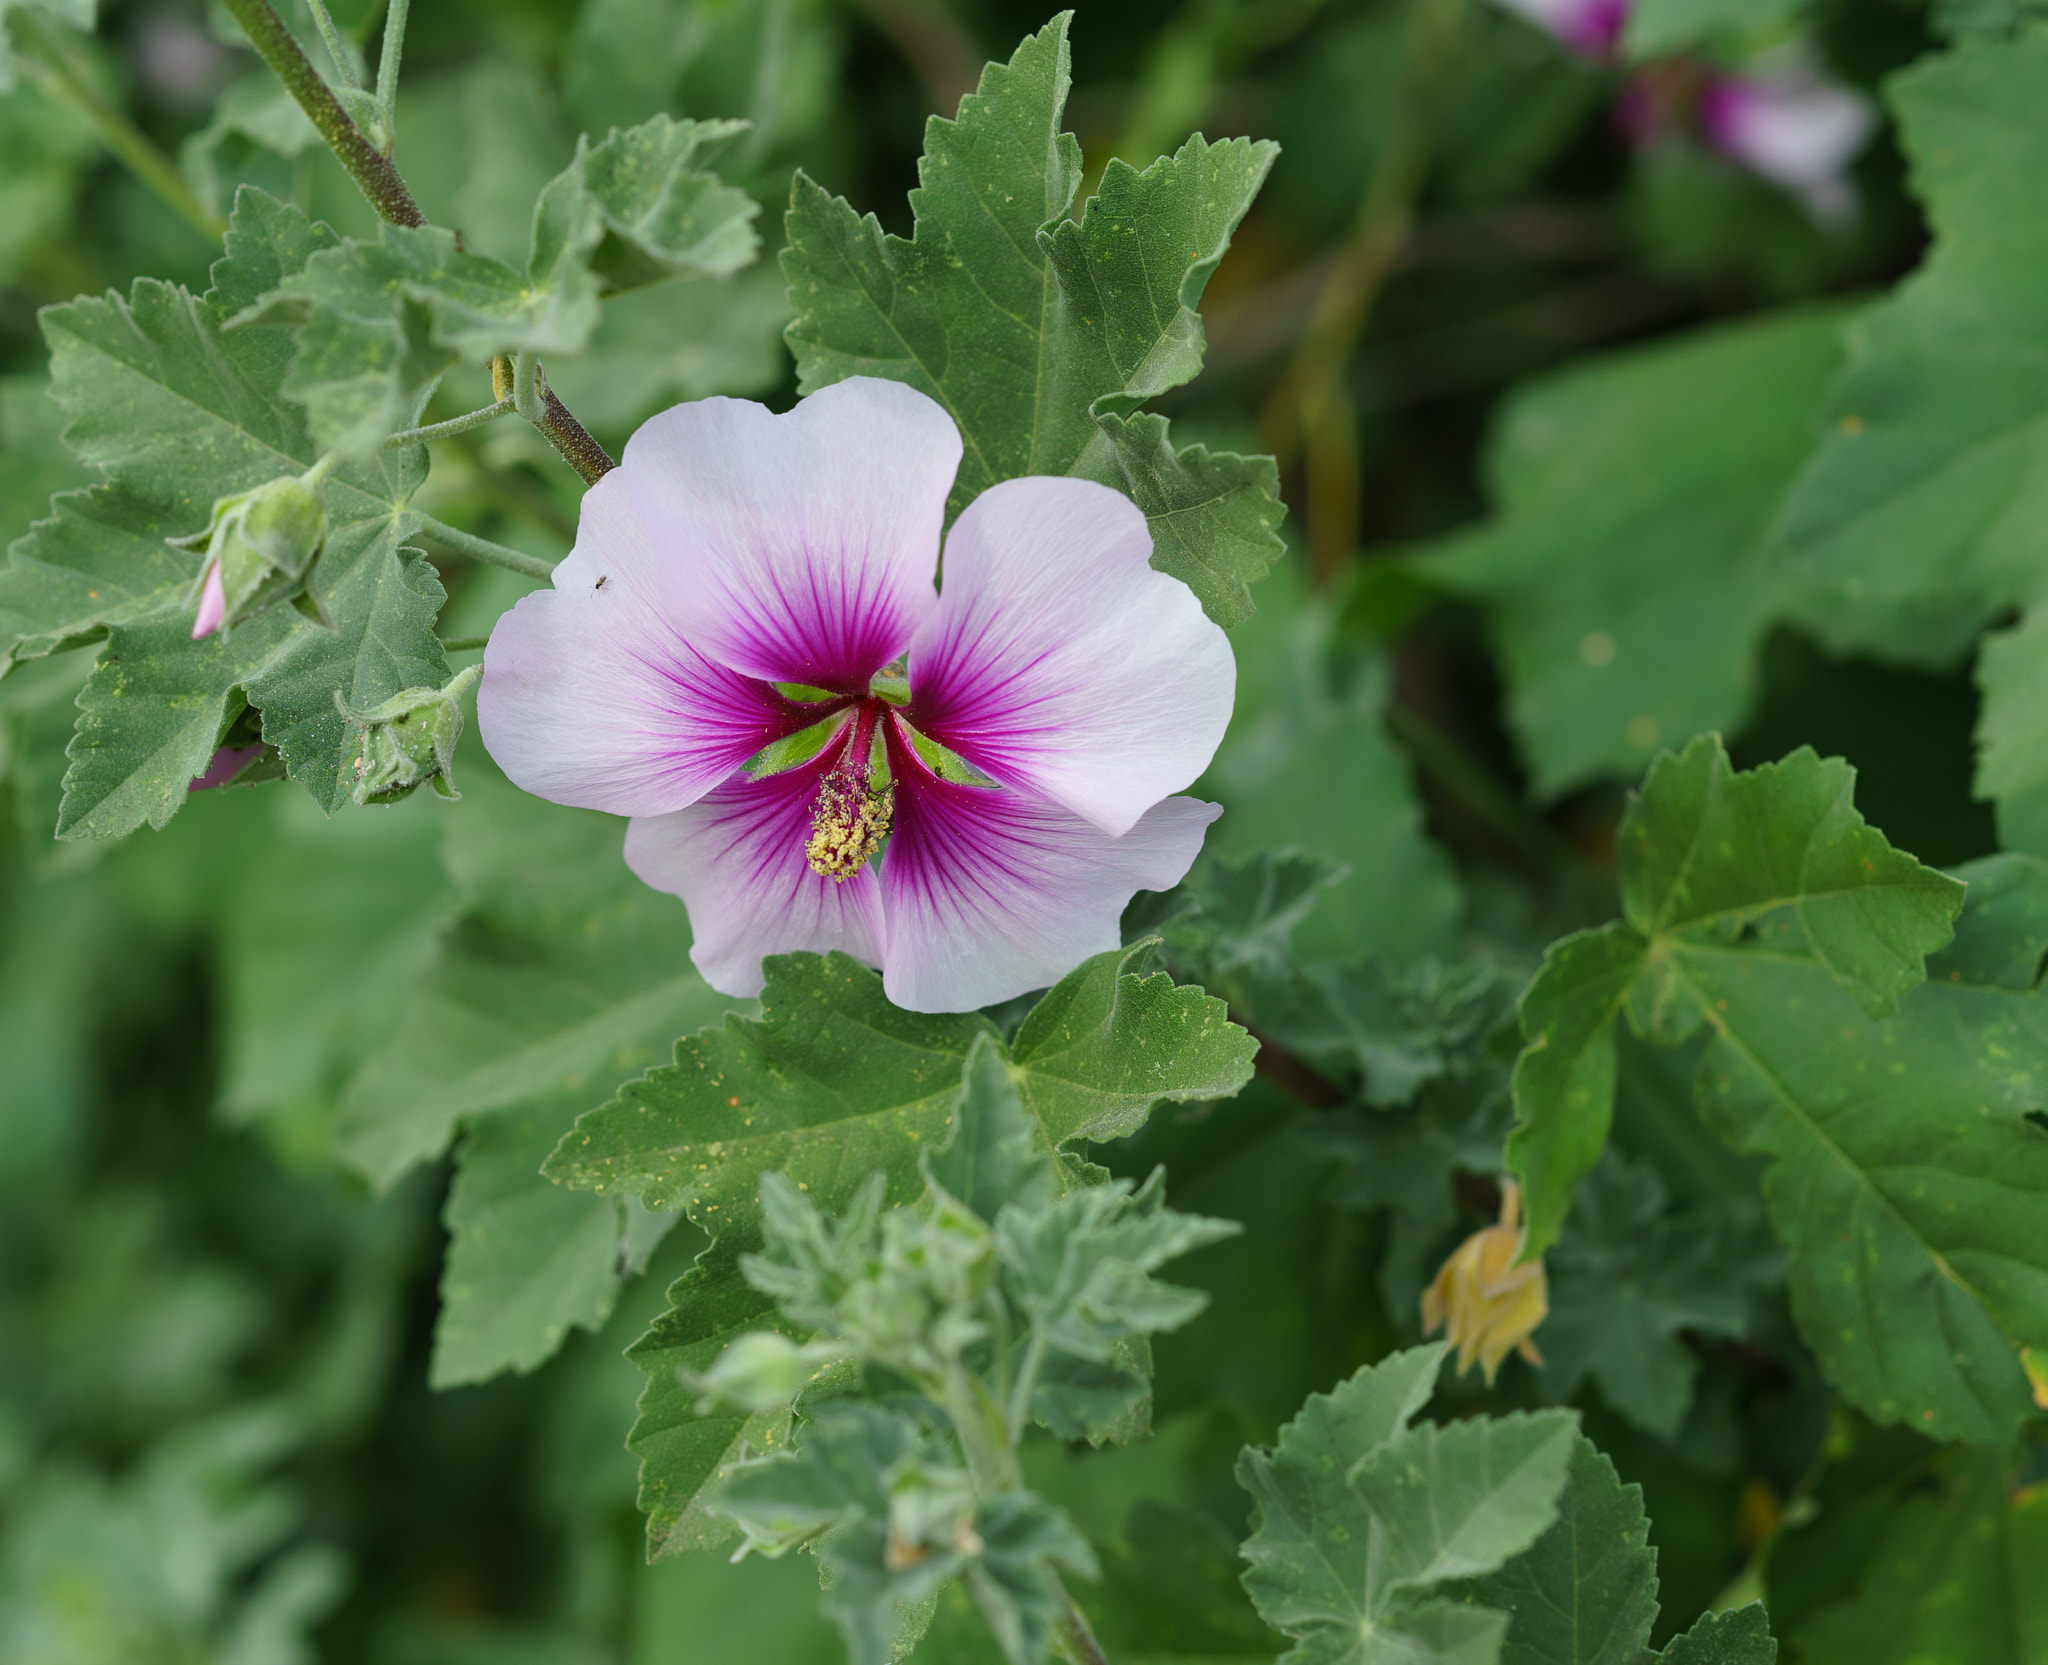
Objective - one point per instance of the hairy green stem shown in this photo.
(388, 58)
(482, 549)
(991, 1459)
(368, 166)
(331, 38)
(61, 73)
(464, 644)
(449, 429)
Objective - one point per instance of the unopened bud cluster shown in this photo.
(261, 547)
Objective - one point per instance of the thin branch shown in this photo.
(482, 549)
(449, 429)
(388, 58)
(563, 431)
(379, 180)
(62, 75)
(368, 166)
(331, 37)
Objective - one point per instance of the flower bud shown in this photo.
(407, 741)
(260, 549)
(1492, 1306)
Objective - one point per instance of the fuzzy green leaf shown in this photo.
(1626, 575)
(1360, 1520)
(1739, 1637)
(1042, 334)
(177, 414)
(1585, 1593)
(1922, 514)
(640, 208)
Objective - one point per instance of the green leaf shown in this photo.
(1657, 28)
(526, 1260)
(1457, 1501)
(563, 973)
(44, 148)
(176, 414)
(1585, 1593)
(1907, 1180)
(1706, 855)
(682, 1450)
(378, 322)
(1630, 1273)
(1705, 850)
(995, 1153)
(1741, 1636)
(1921, 514)
(1039, 333)
(1564, 1078)
(2012, 732)
(1957, 1576)
(1626, 574)
(1307, 1553)
(1307, 763)
(1359, 1517)
(830, 1085)
(638, 212)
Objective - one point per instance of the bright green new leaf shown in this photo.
(1585, 1593)
(1923, 514)
(1042, 334)
(1625, 574)
(1706, 855)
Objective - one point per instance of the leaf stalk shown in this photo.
(482, 549)
(449, 429)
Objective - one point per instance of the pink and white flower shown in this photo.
(745, 654)
(1590, 28)
(1786, 121)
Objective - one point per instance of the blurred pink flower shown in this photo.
(1785, 121)
(1591, 28)
(1009, 747)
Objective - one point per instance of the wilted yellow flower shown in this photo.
(1492, 1303)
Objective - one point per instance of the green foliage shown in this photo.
(1916, 516)
(177, 414)
(832, 1084)
(1361, 1519)
(1627, 576)
(1038, 332)
(1708, 855)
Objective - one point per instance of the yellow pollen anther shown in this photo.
(848, 824)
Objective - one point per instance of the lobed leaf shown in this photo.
(1042, 334)
(1920, 515)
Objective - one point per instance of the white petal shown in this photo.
(1060, 663)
